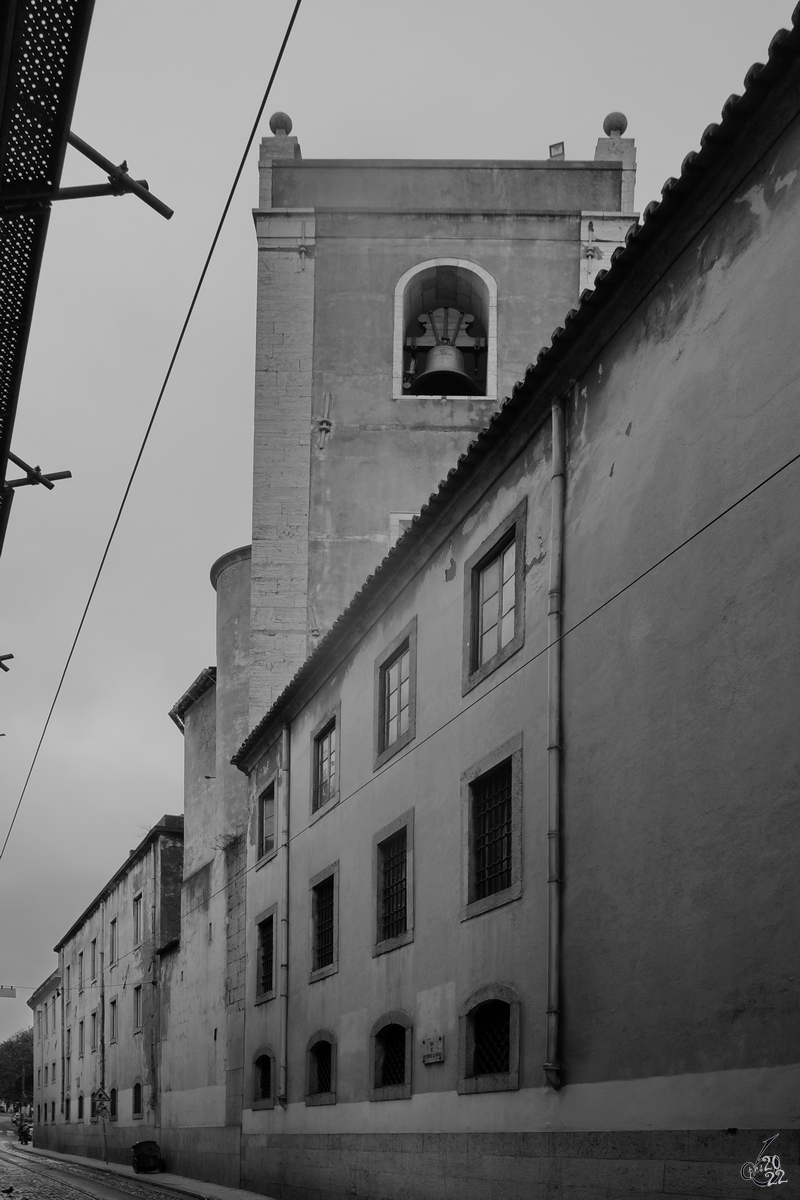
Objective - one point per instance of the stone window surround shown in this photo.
(320, 877)
(332, 716)
(511, 749)
(401, 320)
(263, 997)
(267, 1101)
(397, 1091)
(381, 753)
(503, 1081)
(472, 674)
(383, 946)
(317, 1098)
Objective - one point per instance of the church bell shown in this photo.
(444, 373)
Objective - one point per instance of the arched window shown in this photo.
(80, 1108)
(264, 1078)
(67, 1109)
(488, 1041)
(112, 1104)
(390, 1057)
(452, 303)
(321, 1068)
(137, 1099)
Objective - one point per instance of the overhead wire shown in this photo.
(154, 413)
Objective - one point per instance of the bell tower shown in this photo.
(398, 303)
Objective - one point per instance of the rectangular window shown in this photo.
(325, 923)
(81, 1046)
(46, 1010)
(395, 683)
(325, 784)
(393, 884)
(112, 1020)
(39, 1077)
(80, 971)
(265, 965)
(137, 1007)
(93, 958)
(137, 920)
(67, 1071)
(494, 599)
(69, 1042)
(492, 810)
(112, 941)
(93, 1028)
(266, 821)
(45, 1074)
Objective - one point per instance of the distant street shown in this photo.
(30, 1177)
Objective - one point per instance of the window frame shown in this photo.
(80, 978)
(385, 945)
(265, 1101)
(332, 717)
(268, 914)
(113, 947)
(113, 1020)
(314, 1099)
(500, 1081)
(261, 795)
(81, 1039)
(93, 1026)
(382, 752)
(138, 1009)
(138, 921)
(137, 1116)
(93, 959)
(512, 529)
(394, 1091)
(475, 907)
(332, 967)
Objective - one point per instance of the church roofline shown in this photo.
(728, 152)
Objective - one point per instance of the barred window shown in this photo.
(390, 1056)
(392, 859)
(320, 1072)
(491, 832)
(490, 1032)
(266, 956)
(323, 901)
(266, 821)
(324, 766)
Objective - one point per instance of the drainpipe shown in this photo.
(63, 1034)
(284, 967)
(552, 1067)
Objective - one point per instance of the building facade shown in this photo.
(44, 1004)
(107, 999)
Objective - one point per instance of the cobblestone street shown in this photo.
(36, 1179)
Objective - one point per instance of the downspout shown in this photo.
(63, 1034)
(552, 1065)
(284, 963)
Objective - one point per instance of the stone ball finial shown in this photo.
(614, 125)
(280, 121)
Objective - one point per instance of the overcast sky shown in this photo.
(173, 87)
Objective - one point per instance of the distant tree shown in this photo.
(16, 1052)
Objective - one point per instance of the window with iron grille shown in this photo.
(390, 1056)
(263, 1078)
(491, 793)
(392, 854)
(325, 777)
(395, 680)
(490, 1033)
(265, 982)
(323, 924)
(489, 1040)
(491, 832)
(321, 1068)
(494, 598)
(266, 821)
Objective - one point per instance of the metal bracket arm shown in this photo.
(118, 175)
(34, 475)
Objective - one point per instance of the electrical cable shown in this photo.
(154, 413)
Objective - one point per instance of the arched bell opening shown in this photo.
(447, 315)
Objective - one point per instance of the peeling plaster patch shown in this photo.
(628, 430)
(785, 181)
(755, 199)
(450, 573)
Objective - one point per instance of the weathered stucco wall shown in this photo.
(681, 697)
